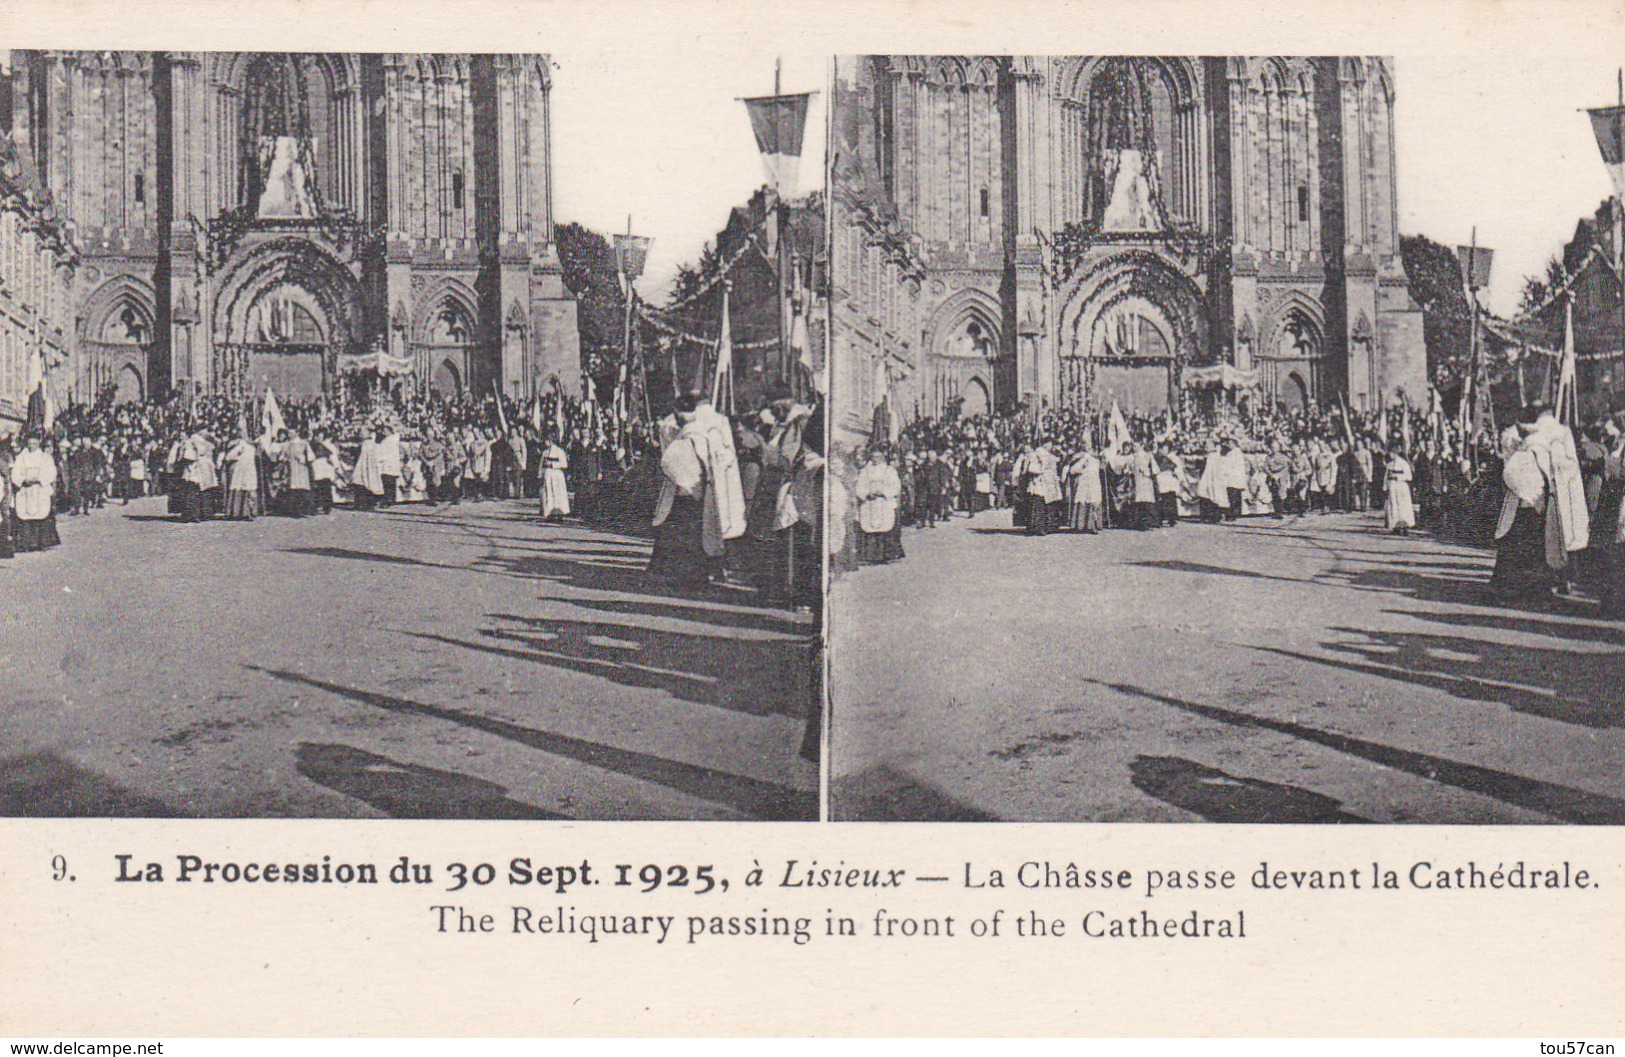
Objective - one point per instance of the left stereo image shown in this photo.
(409, 435)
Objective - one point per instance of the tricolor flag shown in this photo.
(725, 359)
(1608, 123)
(780, 124)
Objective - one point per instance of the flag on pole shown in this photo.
(886, 420)
(631, 253)
(780, 124)
(1475, 265)
(1483, 408)
(271, 417)
(592, 404)
(536, 413)
(40, 412)
(725, 357)
(1117, 429)
(1567, 400)
(502, 416)
(1608, 124)
(1348, 430)
(800, 341)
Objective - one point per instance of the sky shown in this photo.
(1497, 145)
(1502, 147)
(676, 154)
(1488, 124)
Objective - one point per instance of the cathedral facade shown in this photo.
(1070, 230)
(243, 219)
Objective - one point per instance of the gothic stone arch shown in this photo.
(116, 334)
(964, 337)
(304, 270)
(1294, 345)
(120, 300)
(1142, 284)
(445, 331)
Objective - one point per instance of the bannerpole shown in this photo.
(631, 251)
(1475, 385)
(1473, 340)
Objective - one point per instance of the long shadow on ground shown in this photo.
(1562, 685)
(45, 785)
(752, 796)
(407, 790)
(1593, 632)
(754, 676)
(1559, 801)
(882, 794)
(1221, 797)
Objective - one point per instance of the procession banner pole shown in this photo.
(1470, 419)
(626, 348)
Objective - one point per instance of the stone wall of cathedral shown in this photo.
(1263, 234)
(433, 243)
(37, 265)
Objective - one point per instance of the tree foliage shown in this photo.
(1537, 288)
(1447, 320)
(588, 262)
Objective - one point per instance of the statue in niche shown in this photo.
(1118, 333)
(1122, 149)
(1132, 206)
(286, 163)
(279, 139)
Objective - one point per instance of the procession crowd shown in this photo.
(700, 479)
(303, 457)
(1065, 471)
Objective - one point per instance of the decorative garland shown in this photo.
(339, 227)
(696, 339)
(722, 273)
(1562, 290)
(1073, 241)
(1499, 327)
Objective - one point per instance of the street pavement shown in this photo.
(453, 662)
(1314, 669)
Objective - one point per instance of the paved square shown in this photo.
(1307, 670)
(454, 662)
